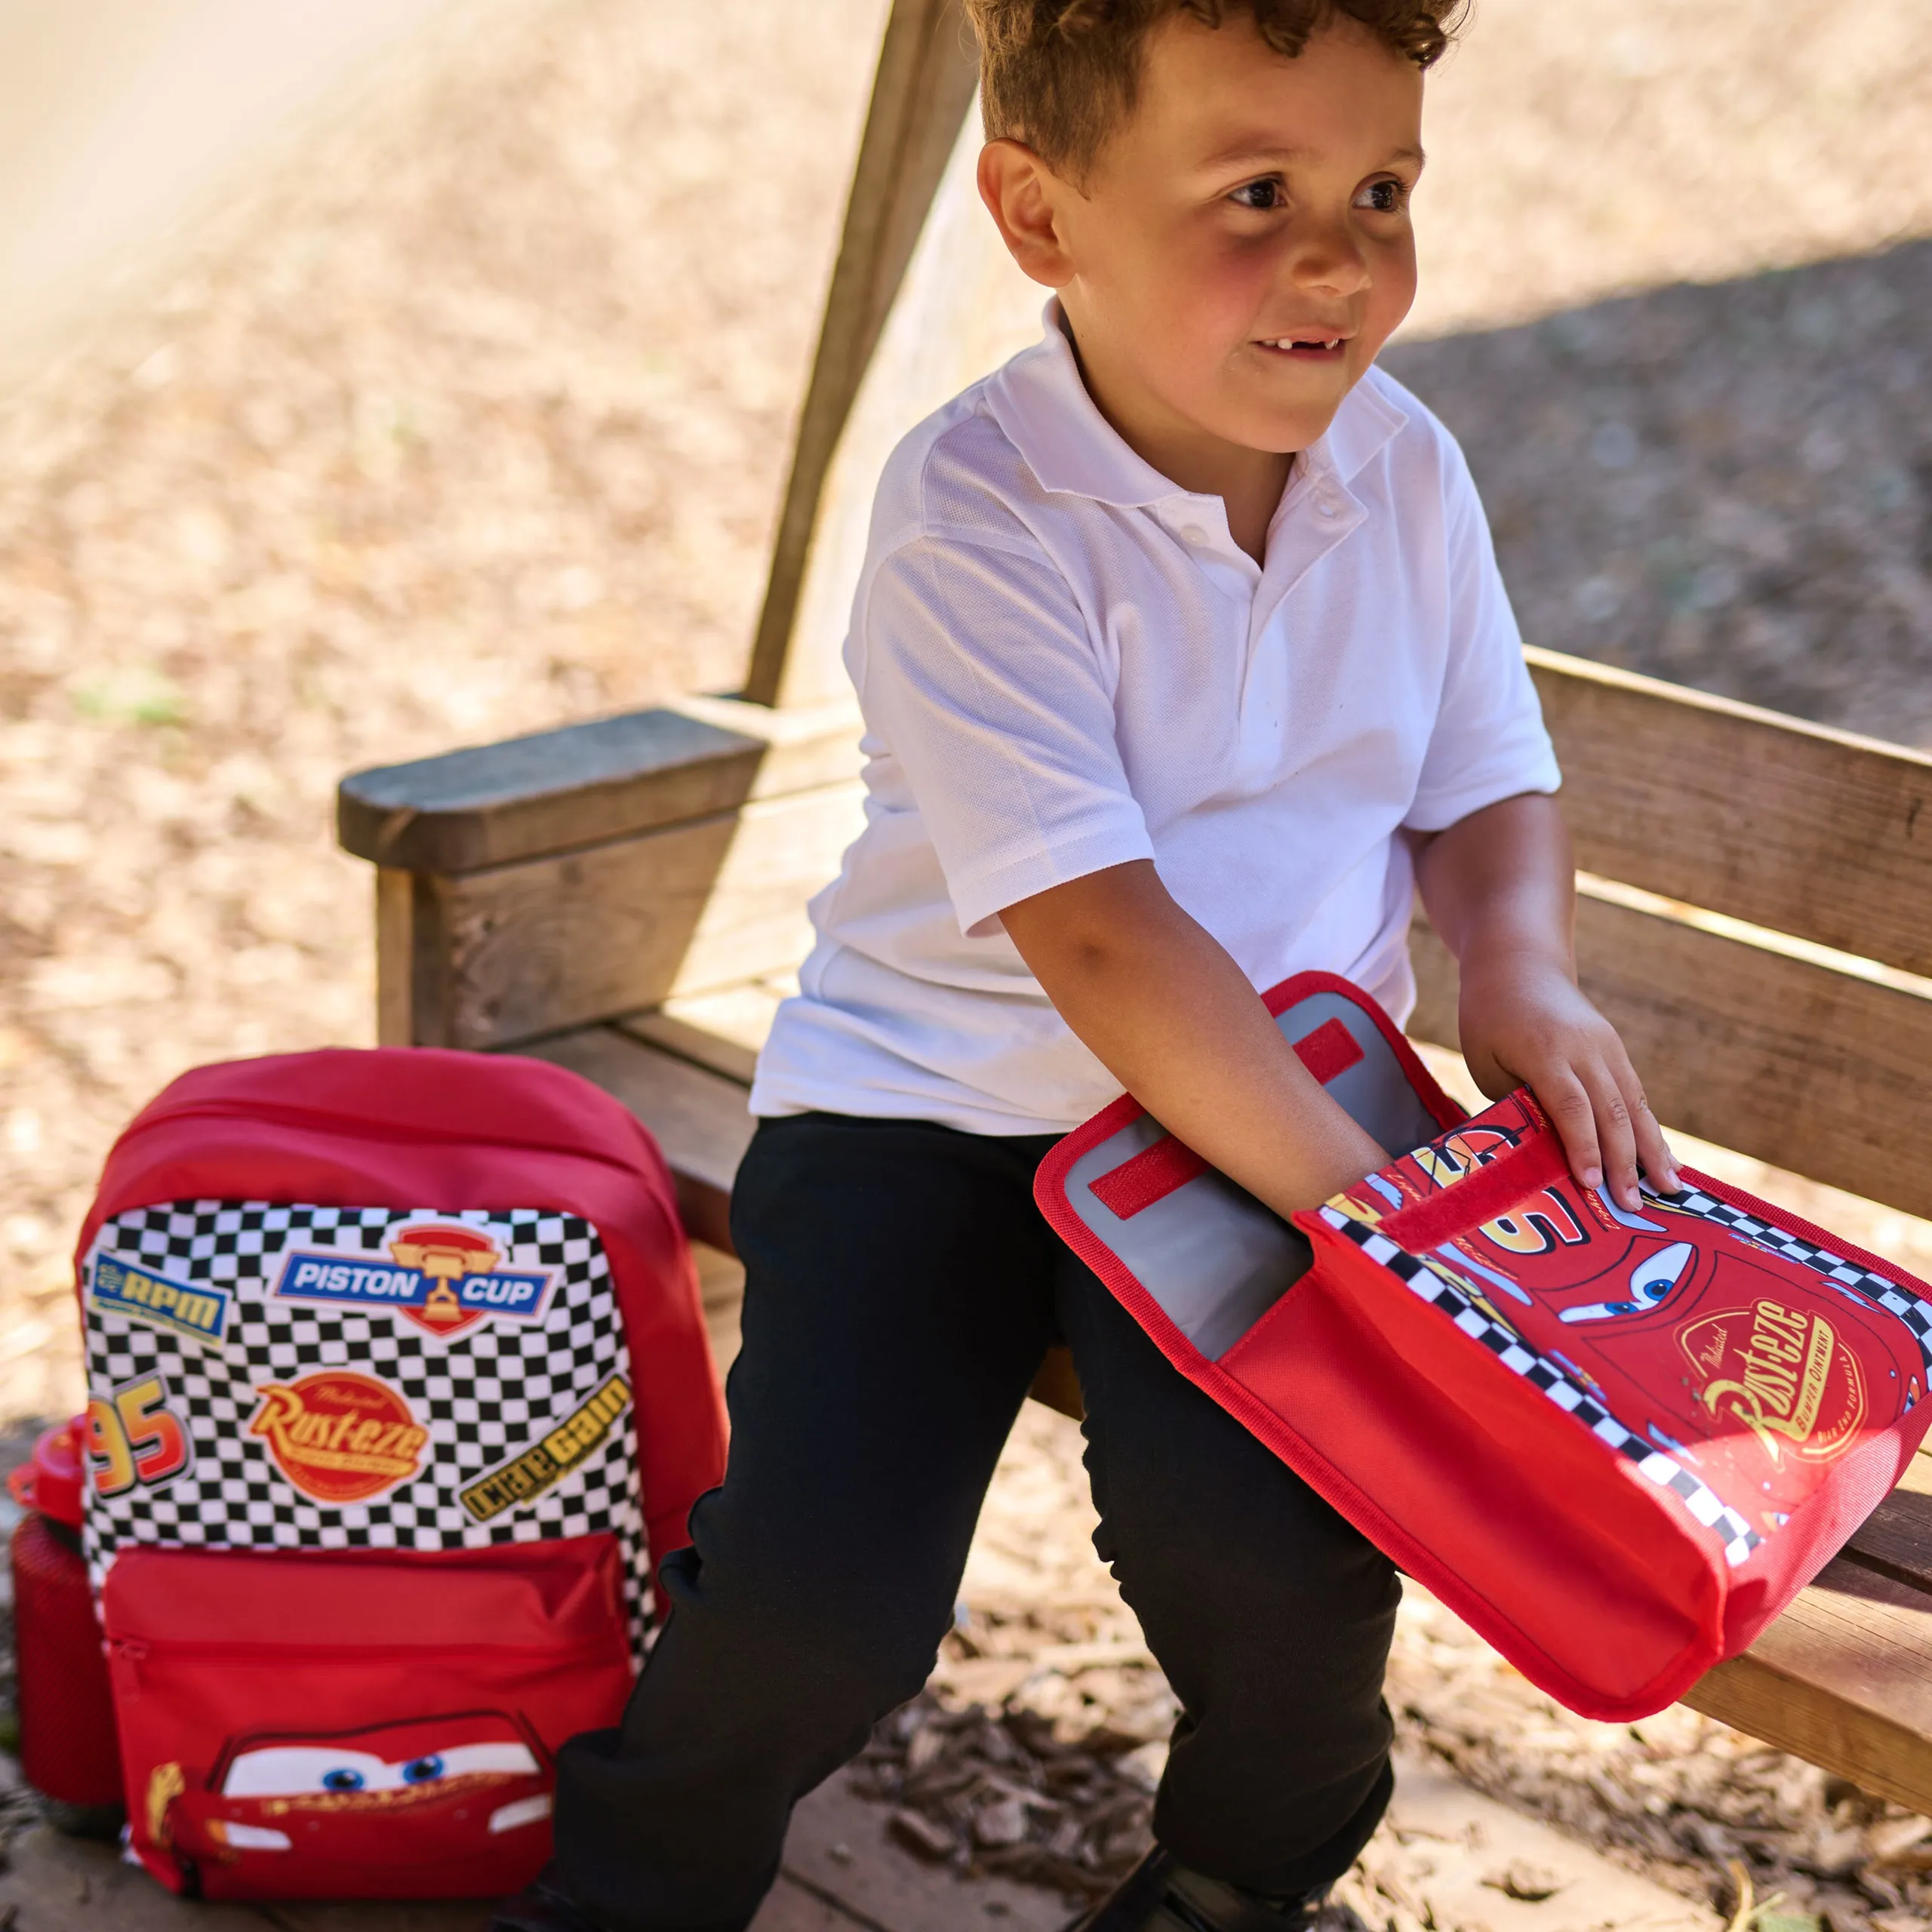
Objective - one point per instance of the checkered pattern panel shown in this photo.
(1422, 1277)
(484, 1395)
(1858, 1283)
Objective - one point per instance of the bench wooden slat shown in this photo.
(1813, 1070)
(521, 950)
(697, 1117)
(1895, 1540)
(1844, 1678)
(723, 1030)
(1801, 829)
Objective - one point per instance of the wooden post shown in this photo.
(928, 70)
(397, 1014)
(963, 309)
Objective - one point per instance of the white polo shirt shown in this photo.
(1065, 663)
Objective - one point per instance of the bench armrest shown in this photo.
(554, 880)
(587, 784)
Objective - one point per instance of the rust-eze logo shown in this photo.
(1784, 1373)
(339, 1437)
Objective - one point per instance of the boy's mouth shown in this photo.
(1306, 348)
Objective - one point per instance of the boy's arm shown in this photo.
(1171, 1016)
(1173, 1019)
(1500, 886)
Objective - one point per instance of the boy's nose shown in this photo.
(1331, 260)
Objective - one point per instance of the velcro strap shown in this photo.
(1493, 1188)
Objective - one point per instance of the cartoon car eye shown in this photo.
(292, 1770)
(1650, 1281)
(507, 1759)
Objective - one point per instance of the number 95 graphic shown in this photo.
(136, 1437)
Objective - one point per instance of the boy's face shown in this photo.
(1241, 248)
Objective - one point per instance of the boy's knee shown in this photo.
(1299, 1568)
(850, 1645)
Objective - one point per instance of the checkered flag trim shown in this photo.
(1422, 1277)
(1863, 1285)
(485, 1395)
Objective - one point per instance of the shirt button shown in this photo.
(1192, 533)
(1329, 507)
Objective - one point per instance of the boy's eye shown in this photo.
(1383, 197)
(1263, 194)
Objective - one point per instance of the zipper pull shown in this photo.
(133, 1653)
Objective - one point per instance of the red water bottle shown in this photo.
(68, 1750)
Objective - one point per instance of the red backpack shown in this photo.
(1617, 1443)
(397, 1378)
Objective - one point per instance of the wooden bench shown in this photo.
(626, 898)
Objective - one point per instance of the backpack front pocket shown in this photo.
(357, 1723)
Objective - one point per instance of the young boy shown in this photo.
(1183, 657)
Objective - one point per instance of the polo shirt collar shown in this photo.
(1364, 425)
(1041, 403)
(1042, 407)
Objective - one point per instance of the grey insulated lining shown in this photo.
(1213, 1256)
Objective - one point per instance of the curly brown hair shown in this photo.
(1060, 74)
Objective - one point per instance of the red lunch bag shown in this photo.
(1617, 1443)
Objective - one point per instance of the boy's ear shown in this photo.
(1022, 194)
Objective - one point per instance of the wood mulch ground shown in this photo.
(472, 419)
(1045, 1690)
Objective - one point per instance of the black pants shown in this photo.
(900, 1289)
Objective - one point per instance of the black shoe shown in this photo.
(1161, 1894)
(542, 1908)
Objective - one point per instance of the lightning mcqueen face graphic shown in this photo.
(1728, 1352)
(425, 1790)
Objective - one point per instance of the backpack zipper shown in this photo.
(361, 1128)
(139, 1651)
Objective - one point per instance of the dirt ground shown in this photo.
(1043, 1640)
(473, 418)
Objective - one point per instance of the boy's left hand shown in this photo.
(1524, 1023)
(1500, 888)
